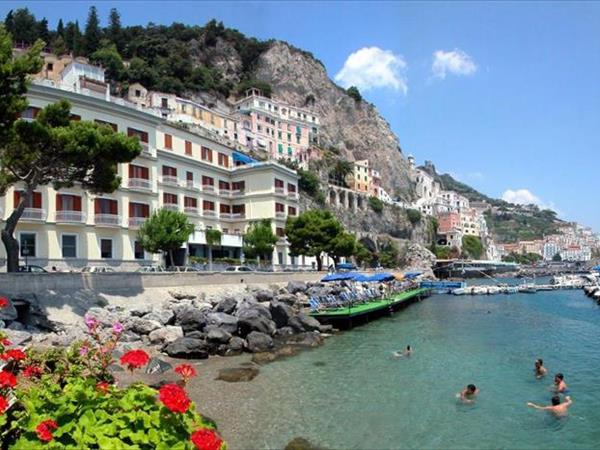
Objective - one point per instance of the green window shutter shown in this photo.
(280, 148)
(290, 150)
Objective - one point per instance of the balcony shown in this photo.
(279, 191)
(70, 217)
(139, 183)
(208, 188)
(191, 210)
(232, 216)
(231, 193)
(136, 222)
(146, 150)
(280, 214)
(189, 184)
(209, 213)
(293, 195)
(33, 214)
(170, 180)
(171, 206)
(107, 220)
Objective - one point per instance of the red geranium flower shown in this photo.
(205, 439)
(3, 405)
(32, 372)
(44, 430)
(14, 354)
(186, 371)
(3, 302)
(7, 380)
(174, 397)
(135, 359)
(103, 387)
(6, 342)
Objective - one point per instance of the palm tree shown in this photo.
(213, 237)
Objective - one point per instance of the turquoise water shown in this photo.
(351, 394)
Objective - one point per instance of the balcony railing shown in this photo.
(280, 191)
(209, 213)
(170, 179)
(33, 214)
(171, 206)
(111, 220)
(70, 216)
(139, 183)
(293, 195)
(208, 188)
(232, 216)
(231, 192)
(135, 222)
(280, 214)
(146, 149)
(191, 185)
(191, 210)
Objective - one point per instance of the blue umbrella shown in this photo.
(411, 275)
(339, 276)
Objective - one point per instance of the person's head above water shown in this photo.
(471, 388)
(555, 400)
(408, 348)
(539, 362)
(559, 377)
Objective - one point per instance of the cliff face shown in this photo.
(355, 128)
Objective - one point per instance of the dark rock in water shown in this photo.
(263, 357)
(308, 339)
(236, 345)
(302, 322)
(227, 305)
(288, 299)
(259, 342)
(157, 366)
(319, 363)
(191, 319)
(326, 328)
(187, 348)
(280, 313)
(235, 374)
(294, 287)
(252, 320)
(216, 334)
(224, 321)
(300, 444)
(264, 295)
(284, 331)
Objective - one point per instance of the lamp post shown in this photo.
(25, 253)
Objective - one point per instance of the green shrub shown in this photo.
(376, 204)
(413, 215)
(353, 92)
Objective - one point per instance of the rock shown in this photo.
(246, 306)
(157, 366)
(163, 316)
(252, 320)
(216, 334)
(418, 257)
(259, 342)
(236, 345)
(140, 310)
(264, 295)
(284, 331)
(166, 335)
(326, 329)
(196, 335)
(2, 324)
(280, 313)
(180, 295)
(143, 326)
(227, 305)
(225, 321)
(236, 374)
(302, 322)
(263, 357)
(129, 336)
(202, 305)
(300, 443)
(294, 287)
(18, 337)
(288, 299)
(187, 348)
(16, 326)
(191, 319)
(308, 339)
(9, 312)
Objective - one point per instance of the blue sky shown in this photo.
(512, 105)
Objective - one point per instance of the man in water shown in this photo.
(469, 393)
(557, 408)
(400, 354)
(559, 383)
(540, 370)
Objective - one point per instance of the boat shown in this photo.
(528, 288)
(459, 291)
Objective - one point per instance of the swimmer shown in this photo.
(559, 383)
(557, 408)
(540, 370)
(469, 393)
(400, 354)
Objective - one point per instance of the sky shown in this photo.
(505, 96)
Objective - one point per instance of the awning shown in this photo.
(596, 268)
(339, 276)
(242, 158)
(345, 266)
(412, 275)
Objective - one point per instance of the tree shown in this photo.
(60, 29)
(73, 38)
(340, 171)
(472, 246)
(343, 245)
(362, 254)
(109, 58)
(259, 240)
(376, 204)
(165, 231)
(353, 92)
(24, 28)
(9, 22)
(213, 237)
(58, 45)
(54, 150)
(413, 215)
(557, 258)
(42, 30)
(114, 30)
(311, 233)
(388, 254)
(92, 33)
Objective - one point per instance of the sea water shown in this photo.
(351, 393)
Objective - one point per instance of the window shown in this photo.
(206, 154)
(291, 210)
(279, 135)
(239, 209)
(106, 206)
(238, 185)
(50, 67)
(223, 185)
(35, 201)
(106, 250)
(291, 187)
(27, 244)
(224, 209)
(139, 172)
(208, 205)
(279, 232)
(138, 250)
(223, 160)
(289, 137)
(189, 176)
(279, 207)
(207, 181)
(65, 202)
(280, 148)
(290, 151)
(190, 202)
(164, 102)
(142, 135)
(114, 126)
(69, 245)
(75, 117)
(279, 183)
(138, 93)
(169, 199)
(169, 171)
(168, 141)
(188, 148)
(139, 209)
(30, 113)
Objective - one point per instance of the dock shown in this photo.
(347, 317)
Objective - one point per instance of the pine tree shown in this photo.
(72, 36)
(60, 29)
(9, 22)
(92, 34)
(114, 30)
(24, 26)
(42, 31)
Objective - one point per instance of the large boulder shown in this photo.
(246, 306)
(163, 316)
(280, 313)
(258, 342)
(180, 295)
(143, 326)
(308, 339)
(224, 321)
(264, 295)
(157, 366)
(187, 348)
(140, 310)
(252, 320)
(236, 345)
(18, 337)
(294, 287)
(166, 335)
(215, 334)
(227, 305)
(191, 319)
(302, 322)
(289, 299)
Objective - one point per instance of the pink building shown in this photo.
(448, 222)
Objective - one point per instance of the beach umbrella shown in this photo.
(399, 276)
(412, 275)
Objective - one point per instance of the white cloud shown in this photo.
(521, 197)
(455, 62)
(371, 68)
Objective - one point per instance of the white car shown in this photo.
(238, 269)
(97, 269)
(151, 269)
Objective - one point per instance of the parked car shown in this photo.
(32, 269)
(238, 269)
(182, 269)
(97, 269)
(151, 269)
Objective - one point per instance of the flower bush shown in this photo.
(68, 398)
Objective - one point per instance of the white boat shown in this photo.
(528, 288)
(459, 291)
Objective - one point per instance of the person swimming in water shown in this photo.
(468, 394)
(407, 352)
(559, 383)
(557, 408)
(540, 370)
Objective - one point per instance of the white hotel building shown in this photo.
(176, 169)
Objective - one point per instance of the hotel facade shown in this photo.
(217, 187)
